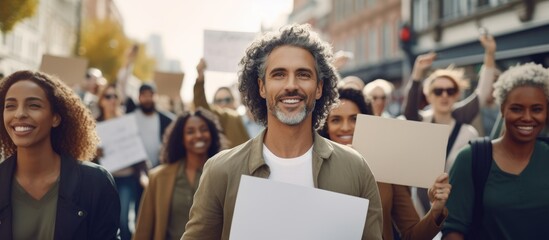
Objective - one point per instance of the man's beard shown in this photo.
(148, 108)
(293, 118)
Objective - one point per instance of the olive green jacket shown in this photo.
(231, 122)
(336, 168)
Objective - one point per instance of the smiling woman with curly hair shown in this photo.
(45, 129)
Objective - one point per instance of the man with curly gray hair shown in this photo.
(289, 84)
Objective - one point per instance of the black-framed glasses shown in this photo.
(227, 100)
(110, 96)
(449, 91)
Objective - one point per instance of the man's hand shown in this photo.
(422, 63)
(200, 68)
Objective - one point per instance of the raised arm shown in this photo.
(405, 216)
(488, 71)
(467, 109)
(411, 105)
(199, 96)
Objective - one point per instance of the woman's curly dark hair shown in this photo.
(354, 96)
(75, 136)
(173, 148)
(253, 67)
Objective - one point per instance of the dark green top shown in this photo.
(182, 200)
(33, 219)
(515, 206)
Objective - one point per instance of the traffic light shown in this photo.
(406, 39)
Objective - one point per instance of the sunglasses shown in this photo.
(382, 98)
(449, 91)
(226, 100)
(110, 96)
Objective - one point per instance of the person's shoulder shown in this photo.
(91, 168)
(161, 169)
(93, 173)
(543, 143)
(469, 130)
(464, 158)
(426, 115)
(231, 159)
(340, 151)
(166, 115)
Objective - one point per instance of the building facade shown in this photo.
(451, 29)
(51, 30)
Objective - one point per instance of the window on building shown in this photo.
(359, 53)
(372, 45)
(339, 9)
(387, 40)
(359, 4)
(350, 46)
(17, 45)
(422, 14)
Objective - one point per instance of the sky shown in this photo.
(181, 23)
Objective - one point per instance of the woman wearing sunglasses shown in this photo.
(442, 90)
(128, 180)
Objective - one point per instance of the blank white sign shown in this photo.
(271, 210)
(402, 152)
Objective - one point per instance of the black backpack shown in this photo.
(481, 149)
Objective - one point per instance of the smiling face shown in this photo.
(290, 87)
(341, 122)
(443, 94)
(196, 136)
(525, 113)
(28, 115)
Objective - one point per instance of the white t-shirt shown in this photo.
(149, 131)
(298, 171)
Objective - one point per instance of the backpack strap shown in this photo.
(452, 138)
(481, 149)
(544, 139)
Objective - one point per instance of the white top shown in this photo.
(298, 171)
(466, 133)
(149, 131)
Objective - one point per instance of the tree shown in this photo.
(105, 45)
(14, 11)
(144, 65)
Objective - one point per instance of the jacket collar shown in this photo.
(7, 169)
(69, 215)
(322, 149)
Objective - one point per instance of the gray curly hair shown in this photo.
(528, 74)
(253, 67)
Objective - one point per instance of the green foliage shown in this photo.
(104, 44)
(144, 65)
(106, 47)
(14, 11)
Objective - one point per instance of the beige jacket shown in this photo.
(154, 212)
(336, 168)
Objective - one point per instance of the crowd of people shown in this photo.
(297, 128)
